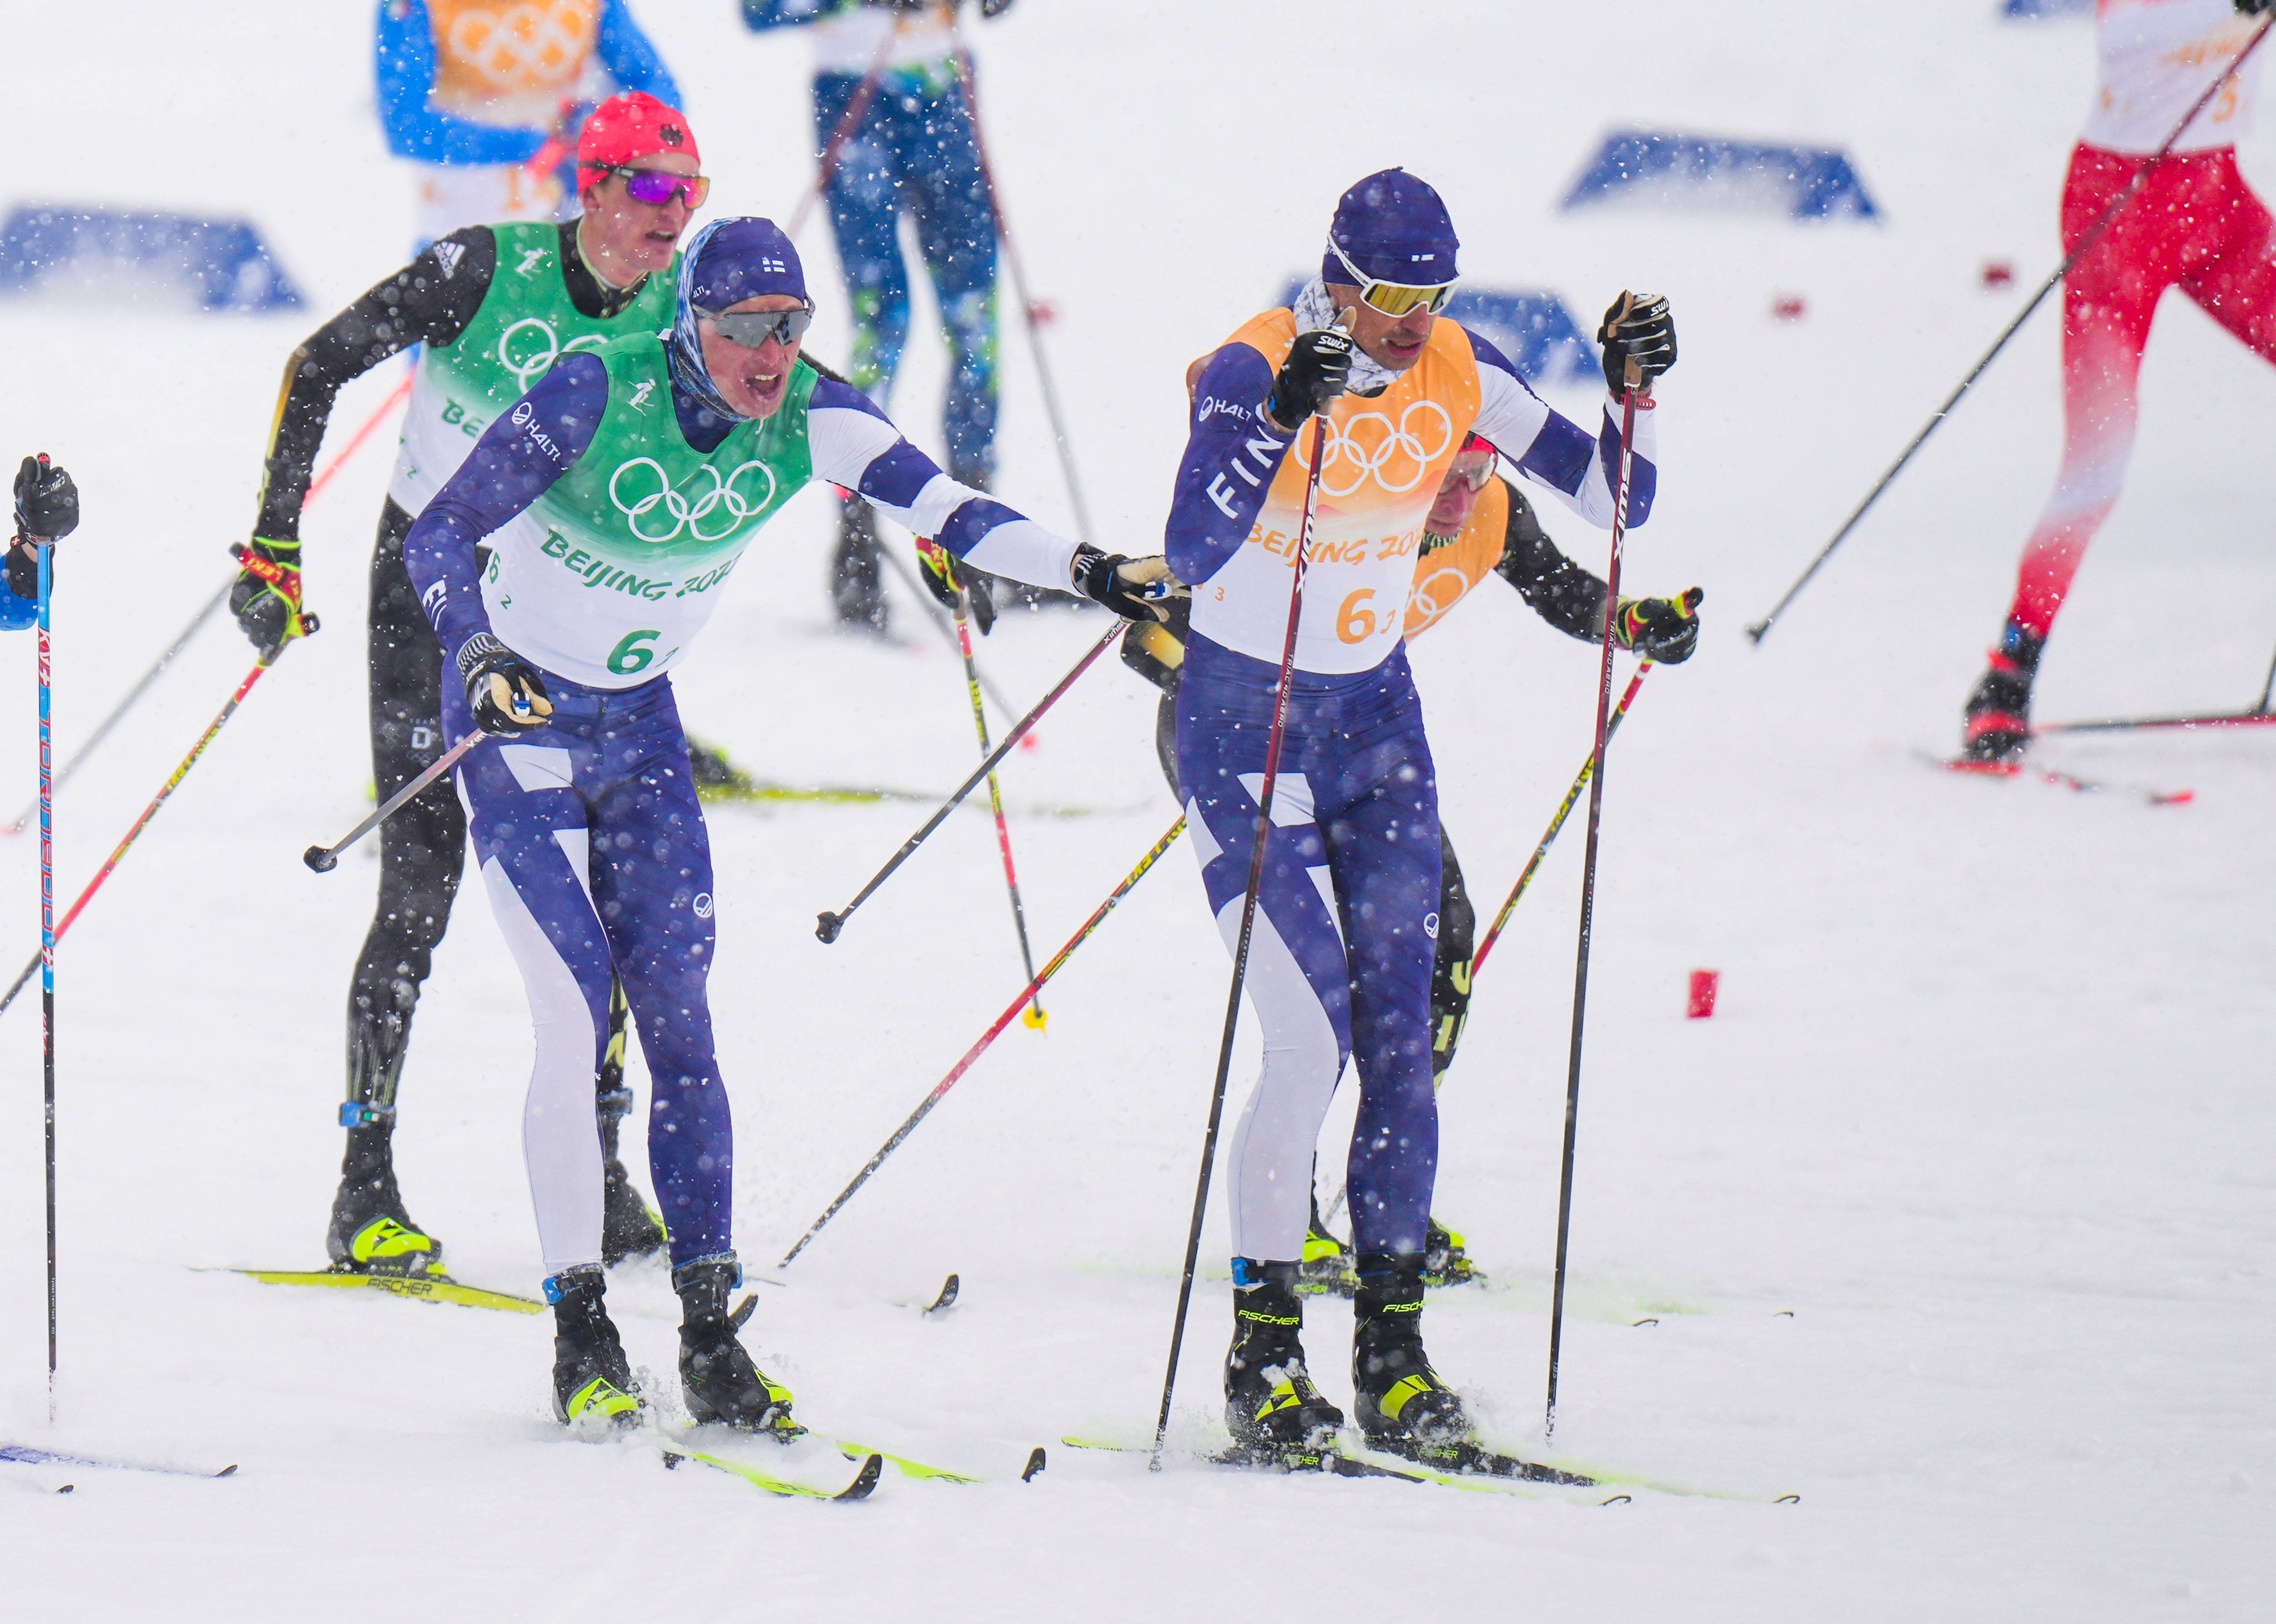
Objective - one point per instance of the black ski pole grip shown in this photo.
(827, 925)
(323, 860)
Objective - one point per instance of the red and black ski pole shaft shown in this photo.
(212, 605)
(2093, 235)
(1632, 381)
(1035, 1017)
(1026, 995)
(1241, 942)
(150, 811)
(828, 925)
(826, 170)
(1027, 306)
(1580, 781)
(324, 858)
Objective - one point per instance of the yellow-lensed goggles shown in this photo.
(1393, 299)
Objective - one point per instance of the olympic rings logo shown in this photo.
(529, 44)
(1425, 601)
(527, 363)
(685, 515)
(1368, 446)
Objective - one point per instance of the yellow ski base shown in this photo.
(427, 1288)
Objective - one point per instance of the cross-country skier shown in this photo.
(610, 504)
(913, 150)
(47, 510)
(486, 99)
(495, 305)
(1342, 955)
(1479, 526)
(2194, 225)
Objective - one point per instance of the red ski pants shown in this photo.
(2194, 225)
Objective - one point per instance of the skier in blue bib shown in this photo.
(612, 502)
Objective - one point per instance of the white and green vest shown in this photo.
(608, 576)
(526, 323)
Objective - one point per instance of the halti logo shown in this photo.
(529, 259)
(521, 414)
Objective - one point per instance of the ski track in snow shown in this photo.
(1986, 1110)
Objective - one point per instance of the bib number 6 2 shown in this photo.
(629, 657)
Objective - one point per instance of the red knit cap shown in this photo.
(631, 127)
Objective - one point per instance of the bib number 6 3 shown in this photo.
(1355, 622)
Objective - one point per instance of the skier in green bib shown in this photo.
(610, 504)
(495, 305)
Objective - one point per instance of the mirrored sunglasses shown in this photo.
(657, 185)
(1393, 298)
(753, 328)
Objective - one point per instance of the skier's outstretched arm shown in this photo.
(632, 61)
(1572, 599)
(416, 128)
(854, 445)
(1552, 450)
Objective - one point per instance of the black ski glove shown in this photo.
(507, 695)
(47, 502)
(2254, 8)
(1136, 588)
(938, 568)
(1637, 327)
(993, 9)
(1317, 371)
(1660, 629)
(47, 506)
(266, 597)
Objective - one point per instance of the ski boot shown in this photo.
(1403, 1405)
(1445, 1262)
(716, 778)
(1326, 1267)
(370, 1233)
(628, 1228)
(1996, 722)
(715, 1375)
(856, 590)
(1275, 1413)
(592, 1384)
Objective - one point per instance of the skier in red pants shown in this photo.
(2195, 225)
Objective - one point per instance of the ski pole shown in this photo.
(935, 616)
(827, 925)
(47, 933)
(2093, 235)
(2267, 690)
(324, 858)
(150, 811)
(850, 120)
(1026, 995)
(1588, 772)
(1027, 301)
(220, 597)
(1035, 1017)
(1248, 930)
(1634, 380)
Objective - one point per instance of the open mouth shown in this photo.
(764, 386)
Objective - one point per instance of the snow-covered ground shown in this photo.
(1955, 1220)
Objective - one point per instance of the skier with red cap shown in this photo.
(1348, 913)
(609, 506)
(487, 100)
(495, 306)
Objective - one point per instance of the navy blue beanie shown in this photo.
(1392, 225)
(734, 260)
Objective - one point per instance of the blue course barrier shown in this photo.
(1702, 174)
(2033, 8)
(220, 265)
(1532, 328)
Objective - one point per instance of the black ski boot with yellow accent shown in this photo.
(1403, 1405)
(370, 1233)
(717, 1378)
(1275, 1413)
(1445, 1262)
(593, 1385)
(629, 1227)
(1326, 1268)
